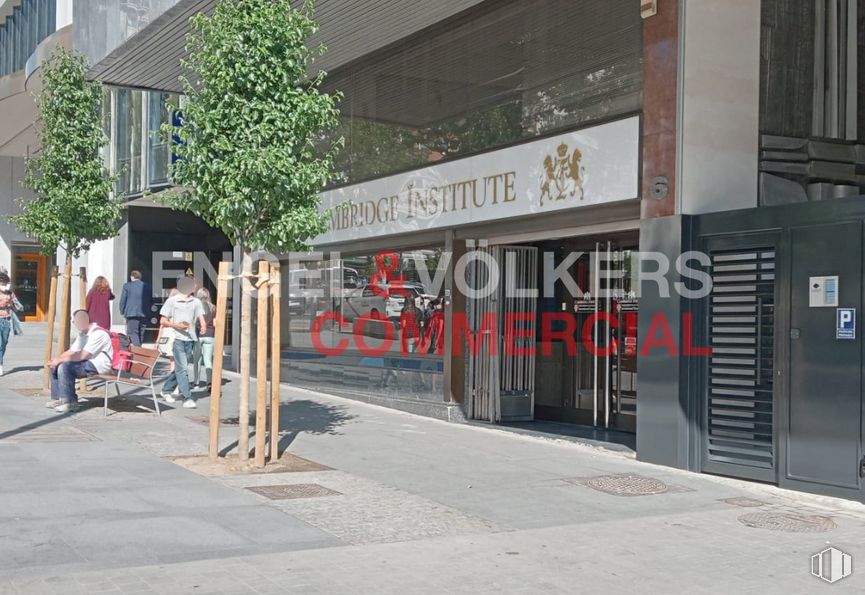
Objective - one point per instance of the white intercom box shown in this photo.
(823, 292)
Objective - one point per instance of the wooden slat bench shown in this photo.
(140, 374)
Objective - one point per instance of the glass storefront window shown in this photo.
(106, 128)
(24, 29)
(127, 144)
(159, 150)
(508, 72)
(347, 328)
(354, 307)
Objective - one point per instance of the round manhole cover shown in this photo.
(627, 485)
(788, 522)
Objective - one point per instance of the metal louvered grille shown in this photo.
(739, 409)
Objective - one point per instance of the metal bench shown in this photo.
(140, 374)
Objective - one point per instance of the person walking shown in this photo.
(91, 354)
(135, 303)
(9, 304)
(180, 313)
(204, 347)
(98, 303)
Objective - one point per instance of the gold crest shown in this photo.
(563, 175)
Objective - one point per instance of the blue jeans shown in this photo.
(63, 379)
(204, 355)
(5, 330)
(183, 351)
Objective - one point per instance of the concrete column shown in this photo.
(664, 405)
(719, 117)
(660, 108)
(64, 13)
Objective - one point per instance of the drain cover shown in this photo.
(788, 522)
(47, 435)
(294, 491)
(744, 502)
(627, 485)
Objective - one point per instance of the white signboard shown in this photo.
(588, 167)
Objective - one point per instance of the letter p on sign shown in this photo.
(846, 323)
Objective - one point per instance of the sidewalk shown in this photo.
(391, 503)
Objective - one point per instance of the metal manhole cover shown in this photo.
(293, 491)
(744, 502)
(627, 485)
(788, 522)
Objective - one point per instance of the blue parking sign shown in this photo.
(846, 323)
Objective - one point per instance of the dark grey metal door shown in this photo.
(823, 414)
(739, 437)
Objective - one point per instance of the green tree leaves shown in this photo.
(250, 123)
(74, 206)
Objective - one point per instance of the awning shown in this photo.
(151, 58)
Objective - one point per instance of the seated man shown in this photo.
(91, 354)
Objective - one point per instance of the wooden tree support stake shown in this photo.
(219, 323)
(261, 370)
(65, 314)
(275, 359)
(52, 317)
(82, 305)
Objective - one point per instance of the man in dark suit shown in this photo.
(135, 303)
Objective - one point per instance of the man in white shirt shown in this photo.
(181, 314)
(91, 354)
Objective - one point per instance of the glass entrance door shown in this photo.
(595, 382)
(28, 283)
(602, 391)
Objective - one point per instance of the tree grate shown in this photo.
(788, 522)
(294, 491)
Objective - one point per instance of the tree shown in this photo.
(73, 205)
(248, 138)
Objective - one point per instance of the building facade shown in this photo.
(29, 31)
(570, 137)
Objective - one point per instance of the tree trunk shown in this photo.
(65, 306)
(245, 353)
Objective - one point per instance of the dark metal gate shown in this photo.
(739, 418)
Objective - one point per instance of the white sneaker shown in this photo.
(67, 408)
(1, 370)
(169, 398)
(176, 392)
(53, 403)
(189, 404)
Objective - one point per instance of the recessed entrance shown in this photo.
(597, 385)
(30, 281)
(582, 324)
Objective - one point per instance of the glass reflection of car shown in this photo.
(397, 296)
(302, 291)
(364, 302)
